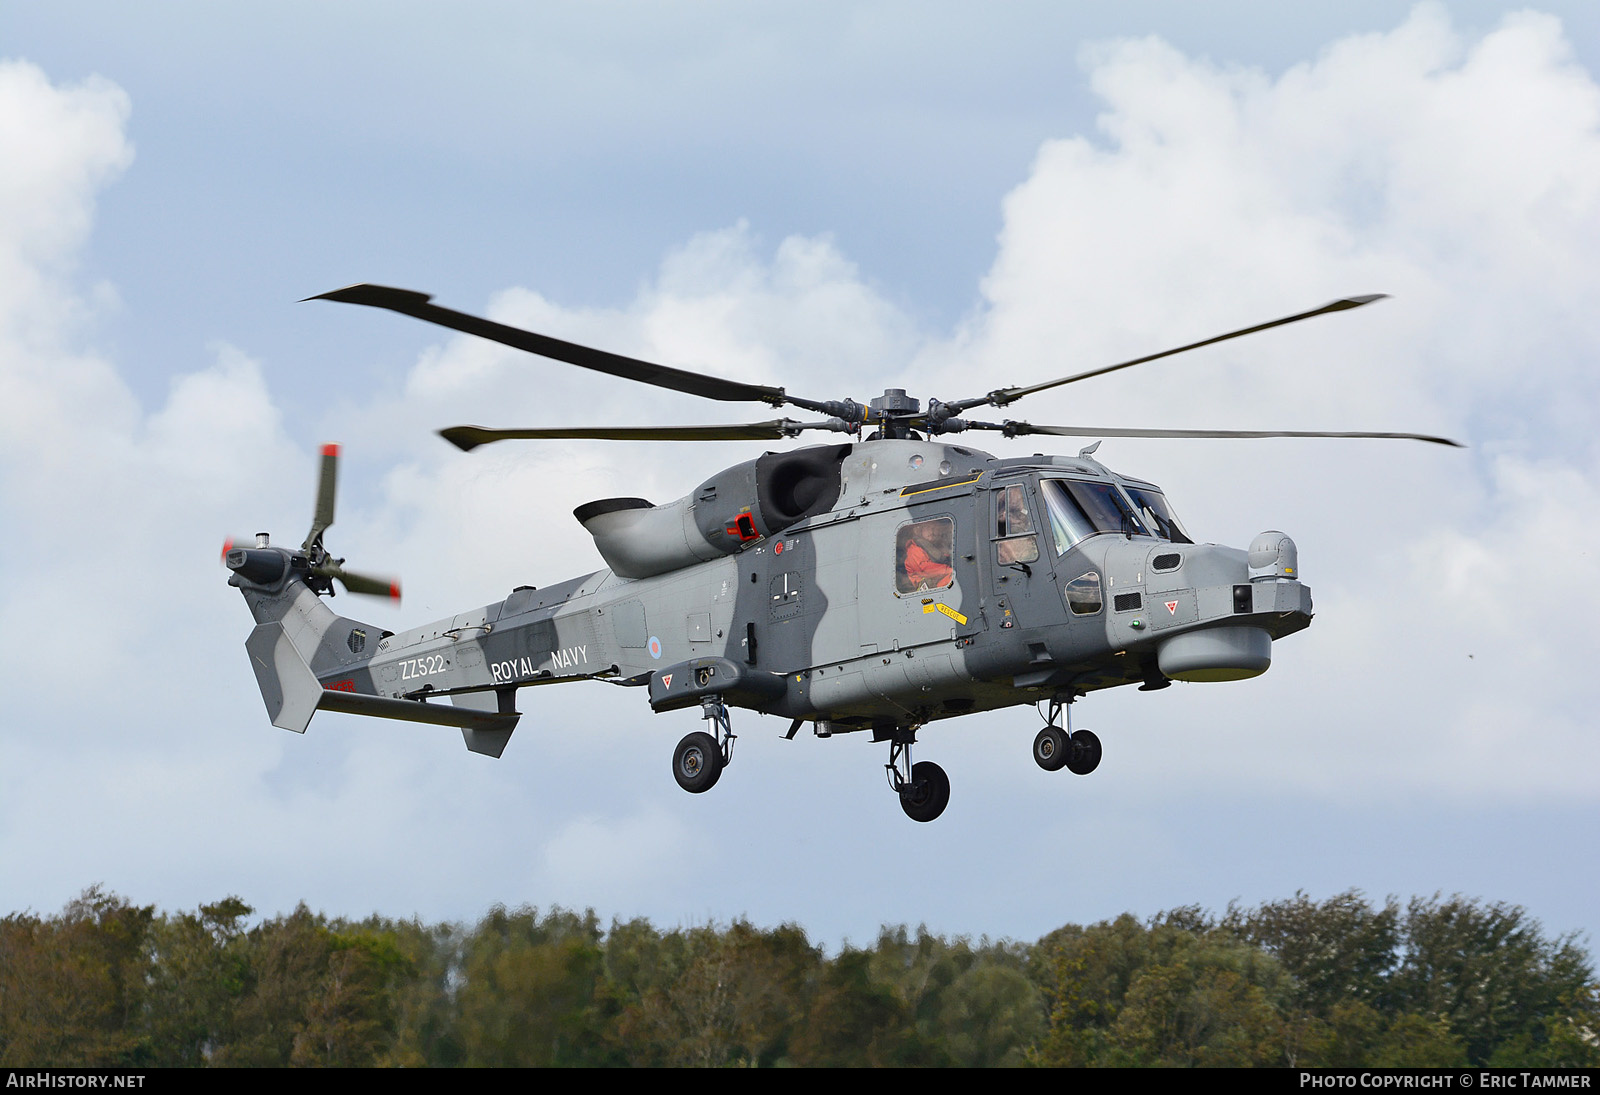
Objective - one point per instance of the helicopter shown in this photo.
(877, 585)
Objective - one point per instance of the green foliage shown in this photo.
(1345, 982)
(711, 998)
(70, 986)
(199, 969)
(531, 994)
(1338, 950)
(1491, 976)
(1305, 983)
(856, 1020)
(1178, 991)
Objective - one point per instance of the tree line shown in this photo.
(1343, 981)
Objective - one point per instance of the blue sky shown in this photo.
(941, 197)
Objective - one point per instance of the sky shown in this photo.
(837, 198)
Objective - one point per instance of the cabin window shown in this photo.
(1015, 541)
(1079, 510)
(1083, 594)
(923, 555)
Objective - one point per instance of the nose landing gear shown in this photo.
(699, 759)
(1054, 748)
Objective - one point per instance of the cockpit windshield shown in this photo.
(1079, 510)
(1153, 509)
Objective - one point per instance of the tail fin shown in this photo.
(288, 687)
(295, 645)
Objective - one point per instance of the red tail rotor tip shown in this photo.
(330, 450)
(227, 546)
(394, 590)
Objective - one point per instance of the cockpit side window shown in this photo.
(1079, 510)
(923, 554)
(1014, 531)
(1157, 514)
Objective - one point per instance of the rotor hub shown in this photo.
(894, 403)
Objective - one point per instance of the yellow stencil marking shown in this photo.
(947, 610)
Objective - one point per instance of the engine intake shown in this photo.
(745, 503)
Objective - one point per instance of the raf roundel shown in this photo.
(655, 648)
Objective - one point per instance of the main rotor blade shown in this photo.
(467, 438)
(416, 304)
(1019, 429)
(327, 487)
(1003, 396)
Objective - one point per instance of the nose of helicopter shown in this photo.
(1211, 612)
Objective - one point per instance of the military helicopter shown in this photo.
(878, 585)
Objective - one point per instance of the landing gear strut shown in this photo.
(1054, 748)
(923, 787)
(699, 759)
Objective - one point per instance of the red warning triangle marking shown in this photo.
(1172, 608)
(666, 680)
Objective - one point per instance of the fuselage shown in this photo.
(928, 580)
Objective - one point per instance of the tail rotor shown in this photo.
(323, 568)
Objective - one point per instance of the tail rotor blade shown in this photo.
(327, 487)
(371, 585)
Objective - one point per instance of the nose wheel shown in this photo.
(1051, 748)
(1078, 751)
(1085, 755)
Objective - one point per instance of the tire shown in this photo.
(1084, 756)
(697, 763)
(1051, 749)
(928, 794)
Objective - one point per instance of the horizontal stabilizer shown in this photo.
(486, 732)
(382, 707)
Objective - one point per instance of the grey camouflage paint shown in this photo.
(833, 640)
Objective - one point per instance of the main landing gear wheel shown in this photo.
(697, 763)
(1084, 756)
(1051, 748)
(928, 793)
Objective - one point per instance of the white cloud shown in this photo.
(1459, 174)
(60, 146)
(605, 860)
